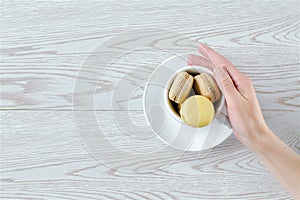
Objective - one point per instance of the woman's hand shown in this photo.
(247, 120)
(243, 108)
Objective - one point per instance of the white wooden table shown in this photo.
(45, 43)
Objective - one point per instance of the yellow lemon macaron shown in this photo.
(197, 111)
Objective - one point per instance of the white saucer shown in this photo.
(166, 127)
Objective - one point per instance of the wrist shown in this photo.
(264, 141)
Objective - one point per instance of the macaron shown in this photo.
(197, 111)
(181, 87)
(206, 85)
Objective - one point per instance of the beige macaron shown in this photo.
(181, 87)
(206, 85)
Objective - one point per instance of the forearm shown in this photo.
(282, 161)
(247, 120)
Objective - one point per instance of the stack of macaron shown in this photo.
(194, 96)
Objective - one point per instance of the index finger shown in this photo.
(220, 61)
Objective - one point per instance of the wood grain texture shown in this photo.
(42, 157)
(41, 55)
(44, 45)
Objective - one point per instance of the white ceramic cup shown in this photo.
(193, 70)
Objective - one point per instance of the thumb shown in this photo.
(225, 83)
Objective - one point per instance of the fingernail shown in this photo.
(219, 72)
(203, 45)
(204, 48)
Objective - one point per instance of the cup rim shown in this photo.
(167, 101)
